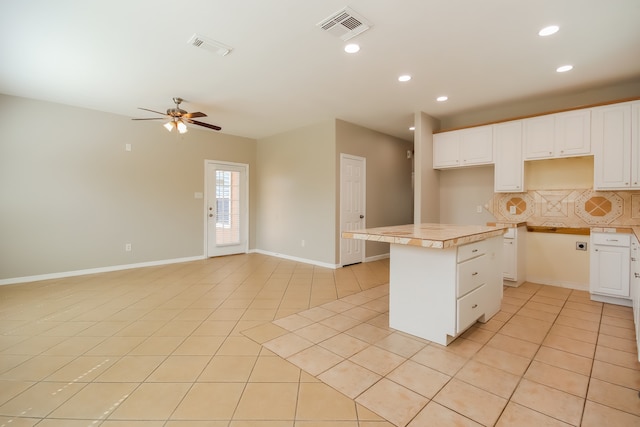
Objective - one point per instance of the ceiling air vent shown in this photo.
(345, 24)
(209, 44)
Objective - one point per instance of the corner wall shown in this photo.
(389, 199)
(296, 181)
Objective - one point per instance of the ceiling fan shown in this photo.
(179, 117)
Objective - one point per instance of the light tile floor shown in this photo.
(255, 341)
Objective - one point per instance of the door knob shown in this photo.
(361, 216)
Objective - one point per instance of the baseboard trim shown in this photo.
(296, 259)
(561, 284)
(64, 274)
(376, 257)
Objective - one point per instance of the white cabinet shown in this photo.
(509, 167)
(616, 145)
(436, 294)
(465, 147)
(513, 256)
(557, 135)
(609, 268)
(635, 287)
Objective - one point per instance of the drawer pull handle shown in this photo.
(474, 305)
(474, 274)
(612, 240)
(475, 250)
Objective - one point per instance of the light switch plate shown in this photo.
(198, 195)
(512, 210)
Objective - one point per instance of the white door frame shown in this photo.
(363, 201)
(244, 215)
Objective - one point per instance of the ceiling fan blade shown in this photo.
(207, 125)
(157, 112)
(193, 115)
(154, 118)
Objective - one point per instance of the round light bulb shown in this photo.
(352, 48)
(404, 78)
(564, 68)
(547, 31)
(442, 98)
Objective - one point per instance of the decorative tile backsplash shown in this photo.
(568, 208)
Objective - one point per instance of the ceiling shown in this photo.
(285, 72)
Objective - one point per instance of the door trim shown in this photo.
(245, 214)
(364, 201)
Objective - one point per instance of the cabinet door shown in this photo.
(446, 149)
(573, 133)
(509, 166)
(476, 146)
(609, 270)
(539, 137)
(611, 135)
(635, 144)
(509, 259)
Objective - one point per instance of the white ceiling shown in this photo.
(284, 72)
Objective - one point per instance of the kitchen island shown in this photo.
(443, 277)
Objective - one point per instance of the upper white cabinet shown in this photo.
(616, 146)
(465, 147)
(557, 135)
(509, 168)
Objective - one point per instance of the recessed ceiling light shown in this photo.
(412, 128)
(547, 31)
(352, 48)
(442, 98)
(404, 78)
(564, 68)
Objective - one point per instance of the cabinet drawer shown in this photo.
(471, 274)
(472, 250)
(470, 308)
(611, 239)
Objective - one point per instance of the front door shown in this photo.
(352, 204)
(226, 208)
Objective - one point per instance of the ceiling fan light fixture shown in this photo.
(169, 125)
(182, 128)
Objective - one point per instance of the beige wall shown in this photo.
(543, 103)
(296, 181)
(71, 196)
(462, 191)
(389, 193)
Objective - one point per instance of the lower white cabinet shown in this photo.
(634, 285)
(609, 268)
(437, 294)
(514, 256)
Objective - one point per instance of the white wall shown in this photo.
(71, 196)
(296, 181)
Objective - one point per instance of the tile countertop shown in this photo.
(428, 235)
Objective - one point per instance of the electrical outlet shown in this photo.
(302, 243)
(479, 209)
(512, 210)
(581, 246)
(127, 247)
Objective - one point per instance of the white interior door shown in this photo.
(226, 208)
(352, 206)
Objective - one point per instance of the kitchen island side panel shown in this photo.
(422, 291)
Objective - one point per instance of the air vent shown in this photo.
(345, 24)
(209, 44)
